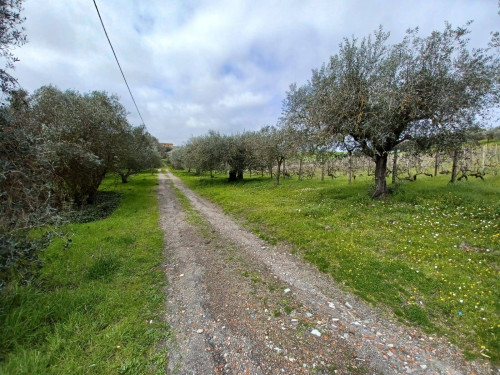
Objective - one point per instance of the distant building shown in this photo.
(170, 145)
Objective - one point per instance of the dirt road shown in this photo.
(237, 305)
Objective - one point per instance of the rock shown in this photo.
(315, 332)
(287, 290)
(199, 331)
(348, 305)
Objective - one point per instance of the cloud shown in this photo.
(242, 100)
(222, 64)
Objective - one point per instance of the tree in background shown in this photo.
(281, 145)
(237, 152)
(213, 152)
(176, 157)
(300, 114)
(139, 151)
(492, 133)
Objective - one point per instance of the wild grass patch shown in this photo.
(95, 305)
(430, 252)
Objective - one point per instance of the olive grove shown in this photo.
(392, 103)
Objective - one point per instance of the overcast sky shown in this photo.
(217, 64)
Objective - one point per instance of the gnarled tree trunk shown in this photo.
(454, 168)
(381, 189)
(280, 161)
(436, 163)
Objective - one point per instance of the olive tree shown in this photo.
(176, 157)
(280, 145)
(84, 135)
(205, 153)
(237, 151)
(11, 35)
(139, 151)
(379, 95)
(26, 168)
(213, 152)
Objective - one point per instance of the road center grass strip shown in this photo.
(430, 253)
(95, 307)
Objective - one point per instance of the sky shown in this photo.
(222, 65)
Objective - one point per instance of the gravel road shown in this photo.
(237, 305)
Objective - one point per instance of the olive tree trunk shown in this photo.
(395, 166)
(381, 189)
(232, 175)
(280, 161)
(350, 165)
(454, 168)
(436, 163)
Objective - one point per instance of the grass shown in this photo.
(430, 252)
(95, 306)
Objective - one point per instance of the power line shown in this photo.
(119, 66)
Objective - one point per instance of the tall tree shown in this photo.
(380, 95)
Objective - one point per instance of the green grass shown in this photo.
(95, 306)
(490, 142)
(430, 252)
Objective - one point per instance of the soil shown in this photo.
(237, 305)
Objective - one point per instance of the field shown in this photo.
(429, 253)
(95, 305)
